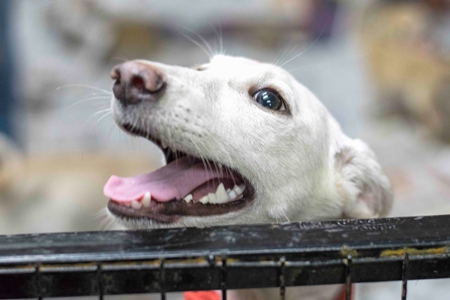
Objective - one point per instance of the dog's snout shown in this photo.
(136, 82)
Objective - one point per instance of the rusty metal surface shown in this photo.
(165, 260)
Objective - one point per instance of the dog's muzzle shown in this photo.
(136, 82)
(187, 186)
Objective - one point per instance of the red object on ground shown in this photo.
(341, 295)
(213, 295)
(202, 295)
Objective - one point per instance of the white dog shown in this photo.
(246, 143)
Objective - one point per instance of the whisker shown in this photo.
(110, 223)
(122, 59)
(285, 53)
(219, 35)
(202, 39)
(209, 54)
(326, 64)
(101, 118)
(105, 111)
(106, 221)
(109, 134)
(104, 98)
(84, 86)
(102, 213)
(102, 111)
(307, 48)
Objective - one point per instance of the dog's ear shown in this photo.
(361, 183)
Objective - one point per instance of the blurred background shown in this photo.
(381, 67)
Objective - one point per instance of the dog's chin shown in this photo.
(146, 222)
(178, 212)
(231, 218)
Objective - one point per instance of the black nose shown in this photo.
(136, 82)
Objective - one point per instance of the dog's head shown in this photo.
(245, 142)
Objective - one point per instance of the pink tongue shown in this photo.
(173, 181)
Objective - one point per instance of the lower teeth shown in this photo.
(221, 196)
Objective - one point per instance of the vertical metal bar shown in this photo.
(211, 260)
(162, 279)
(38, 283)
(404, 277)
(224, 277)
(282, 278)
(348, 278)
(100, 281)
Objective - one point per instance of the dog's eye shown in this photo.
(269, 99)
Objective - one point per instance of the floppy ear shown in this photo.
(364, 188)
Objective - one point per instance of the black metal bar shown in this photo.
(348, 277)
(100, 281)
(223, 284)
(38, 281)
(282, 278)
(162, 278)
(404, 276)
(313, 251)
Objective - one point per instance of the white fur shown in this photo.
(302, 166)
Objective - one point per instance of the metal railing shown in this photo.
(221, 258)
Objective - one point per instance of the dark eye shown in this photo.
(269, 99)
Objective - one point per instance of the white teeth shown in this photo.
(239, 189)
(136, 204)
(204, 199)
(212, 198)
(232, 195)
(188, 198)
(164, 145)
(221, 194)
(146, 200)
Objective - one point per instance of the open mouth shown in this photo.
(185, 186)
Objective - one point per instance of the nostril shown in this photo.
(138, 82)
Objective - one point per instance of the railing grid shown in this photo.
(224, 258)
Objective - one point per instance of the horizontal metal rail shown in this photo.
(166, 260)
